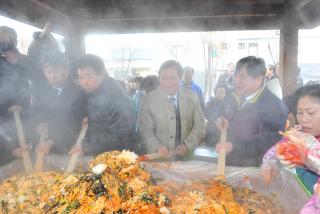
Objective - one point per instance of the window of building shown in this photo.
(224, 45)
(253, 49)
(241, 45)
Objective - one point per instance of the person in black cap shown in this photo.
(43, 43)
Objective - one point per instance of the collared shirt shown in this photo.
(58, 89)
(174, 98)
(252, 98)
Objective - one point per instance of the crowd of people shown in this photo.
(163, 114)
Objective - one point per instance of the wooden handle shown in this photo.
(23, 143)
(222, 154)
(155, 156)
(74, 157)
(148, 157)
(40, 154)
(39, 162)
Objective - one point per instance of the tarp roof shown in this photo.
(130, 16)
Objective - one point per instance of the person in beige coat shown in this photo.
(171, 118)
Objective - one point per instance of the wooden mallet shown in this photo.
(222, 153)
(22, 139)
(155, 156)
(74, 157)
(40, 155)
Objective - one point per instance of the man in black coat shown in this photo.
(61, 107)
(14, 90)
(227, 78)
(111, 116)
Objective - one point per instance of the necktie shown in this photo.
(57, 91)
(173, 101)
(178, 121)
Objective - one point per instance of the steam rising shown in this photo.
(79, 17)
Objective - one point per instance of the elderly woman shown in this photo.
(301, 149)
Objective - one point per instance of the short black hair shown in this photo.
(137, 79)
(91, 61)
(255, 66)
(150, 83)
(273, 68)
(311, 90)
(171, 64)
(220, 86)
(290, 102)
(56, 59)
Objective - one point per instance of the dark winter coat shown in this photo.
(253, 127)
(226, 80)
(14, 90)
(63, 112)
(111, 119)
(14, 86)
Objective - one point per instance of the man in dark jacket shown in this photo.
(227, 78)
(14, 90)
(254, 115)
(61, 107)
(110, 111)
(14, 74)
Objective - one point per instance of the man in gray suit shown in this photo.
(171, 119)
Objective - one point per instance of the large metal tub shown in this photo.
(285, 188)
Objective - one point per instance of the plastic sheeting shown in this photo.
(51, 162)
(284, 189)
